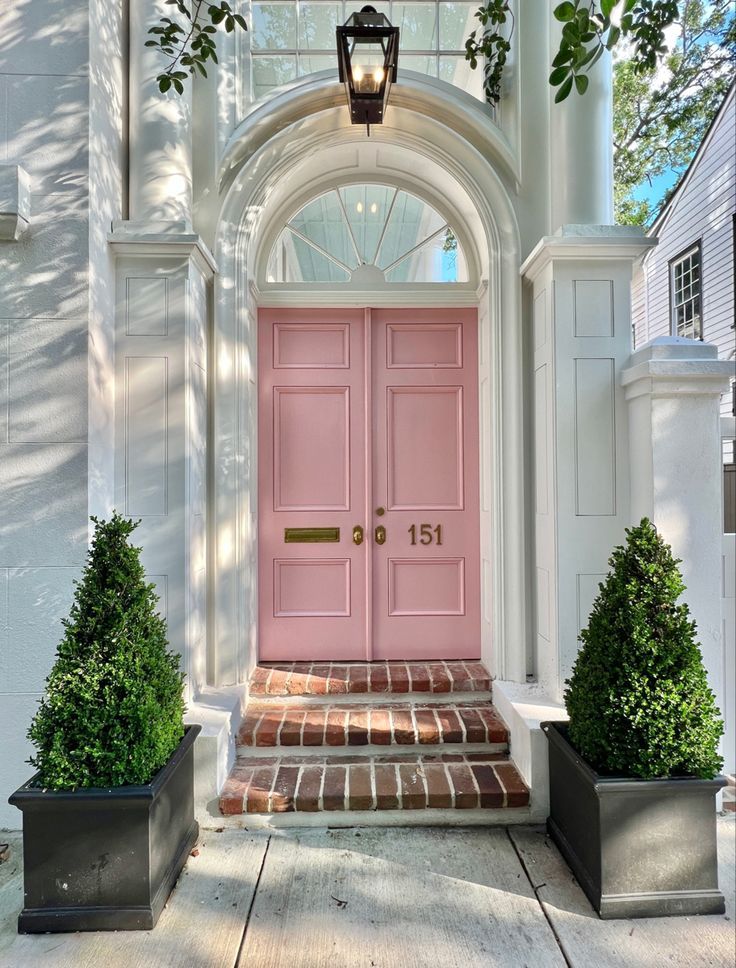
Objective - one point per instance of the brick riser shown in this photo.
(315, 784)
(341, 678)
(404, 724)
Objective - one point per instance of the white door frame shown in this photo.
(261, 154)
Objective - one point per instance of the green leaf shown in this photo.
(564, 91)
(558, 75)
(581, 83)
(565, 11)
(164, 83)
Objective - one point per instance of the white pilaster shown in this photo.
(581, 146)
(161, 366)
(582, 341)
(673, 388)
(160, 127)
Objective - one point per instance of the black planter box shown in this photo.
(106, 860)
(638, 848)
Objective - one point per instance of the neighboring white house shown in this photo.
(685, 286)
(141, 234)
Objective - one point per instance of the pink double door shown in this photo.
(368, 484)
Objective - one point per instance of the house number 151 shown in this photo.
(427, 534)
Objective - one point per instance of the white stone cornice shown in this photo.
(165, 239)
(587, 242)
(672, 366)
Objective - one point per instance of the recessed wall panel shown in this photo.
(540, 320)
(297, 346)
(587, 592)
(311, 587)
(541, 463)
(593, 307)
(422, 346)
(543, 603)
(311, 448)
(433, 586)
(146, 434)
(147, 306)
(425, 447)
(595, 437)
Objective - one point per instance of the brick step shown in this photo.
(315, 784)
(396, 723)
(343, 678)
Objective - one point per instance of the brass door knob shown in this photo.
(380, 535)
(380, 512)
(357, 535)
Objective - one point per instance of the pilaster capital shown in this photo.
(586, 243)
(162, 240)
(669, 366)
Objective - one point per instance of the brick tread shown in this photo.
(340, 678)
(311, 784)
(406, 724)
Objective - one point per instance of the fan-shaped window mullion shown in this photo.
(318, 248)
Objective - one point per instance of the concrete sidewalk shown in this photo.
(380, 898)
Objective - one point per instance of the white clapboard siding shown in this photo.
(702, 209)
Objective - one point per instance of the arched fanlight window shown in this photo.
(396, 233)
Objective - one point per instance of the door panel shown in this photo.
(426, 585)
(312, 599)
(361, 410)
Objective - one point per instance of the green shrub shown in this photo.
(638, 697)
(113, 708)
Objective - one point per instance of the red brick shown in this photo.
(358, 728)
(399, 675)
(278, 681)
(440, 679)
(314, 728)
(379, 677)
(258, 680)
(318, 680)
(246, 733)
(232, 797)
(438, 787)
(484, 757)
(517, 794)
(358, 679)
(347, 759)
(291, 730)
(491, 792)
(427, 727)
(335, 729)
(284, 789)
(420, 681)
(360, 792)
(475, 730)
(404, 732)
(309, 789)
(497, 732)
(397, 758)
(268, 730)
(259, 790)
(413, 792)
(256, 761)
(386, 788)
(461, 681)
(466, 794)
(452, 731)
(479, 674)
(338, 683)
(333, 790)
(452, 758)
(297, 685)
(380, 727)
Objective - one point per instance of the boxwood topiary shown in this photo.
(638, 698)
(113, 709)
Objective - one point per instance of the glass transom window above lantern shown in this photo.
(292, 38)
(399, 236)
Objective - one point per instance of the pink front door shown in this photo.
(368, 420)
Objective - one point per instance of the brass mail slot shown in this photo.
(310, 535)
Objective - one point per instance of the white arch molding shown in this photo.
(267, 166)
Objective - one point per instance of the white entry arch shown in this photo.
(458, 161)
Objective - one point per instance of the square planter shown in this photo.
(638, 848)
(106, 859)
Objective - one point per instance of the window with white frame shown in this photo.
(291, 38)
(686, 294)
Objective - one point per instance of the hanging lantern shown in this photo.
(367, 55)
